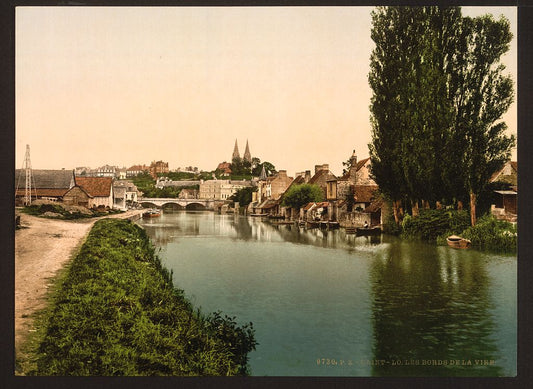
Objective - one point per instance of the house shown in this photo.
(505, 204)
(314, 211)
(224, 168)
(221, 189)
(321, 177)
(157, 167)
(77, 196)
(301, 178)
(507, 174)
(125, 194)
(274, 186)
(99, 190)
(46, 185)
(188, 193)
(136, 170)
(364, 195)
(105, 171)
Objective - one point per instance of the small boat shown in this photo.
(457, 242)
(368, 230)
(152, 213)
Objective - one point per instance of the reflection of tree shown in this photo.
(431, 304)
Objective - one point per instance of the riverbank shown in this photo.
(116, 312)
(42, 248)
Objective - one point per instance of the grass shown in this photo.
(116, 312)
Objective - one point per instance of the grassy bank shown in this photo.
(116, 312)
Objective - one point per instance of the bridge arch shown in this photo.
(195, 207)
(173, 205)
(148, 204)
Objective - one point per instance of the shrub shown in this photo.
(492, 234)
(432, 223)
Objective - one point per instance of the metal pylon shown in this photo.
(30, 183)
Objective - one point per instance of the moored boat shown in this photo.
(368, 230)
(458, 242)
(152, 213)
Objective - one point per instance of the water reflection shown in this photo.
(431, 312)
(172, 226)
(332, 294)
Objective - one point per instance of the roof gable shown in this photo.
(96, 186)
(365, 193)
(325, 175)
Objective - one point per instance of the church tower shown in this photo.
(235, 151)
(247, 156)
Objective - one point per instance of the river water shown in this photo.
(324, 303)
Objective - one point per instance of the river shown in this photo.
(324, 303)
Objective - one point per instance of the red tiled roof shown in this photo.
(138, 168)
(96, 186)
(308, 206)
(364, 193)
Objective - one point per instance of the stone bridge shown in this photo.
(184, 203)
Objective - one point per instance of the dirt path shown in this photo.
(43, 247)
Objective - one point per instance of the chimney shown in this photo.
(324, 166)
(307, 176)
(282, 173)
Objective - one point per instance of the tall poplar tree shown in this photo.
(388, 64)
(481, 94)
(438, 97)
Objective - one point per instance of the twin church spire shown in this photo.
(247, 156)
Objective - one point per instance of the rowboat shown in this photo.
(368, 230)
(457, 242)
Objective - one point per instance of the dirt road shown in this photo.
(42, 247)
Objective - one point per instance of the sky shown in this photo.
(131, 85)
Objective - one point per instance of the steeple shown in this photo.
(235, 151)
(247, 156)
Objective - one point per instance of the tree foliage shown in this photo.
(299, 195)
(244, 196)
(438, 97)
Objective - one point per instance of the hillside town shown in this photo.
(347, 200)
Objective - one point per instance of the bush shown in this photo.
(432, 223)
(117, 313)
(492, 234)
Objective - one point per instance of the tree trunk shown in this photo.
(473, 208)
(459, 205)
(414, 207)
(438, 205)
(396, 211)
(426, 204)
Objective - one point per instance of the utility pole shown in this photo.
(29, 178)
